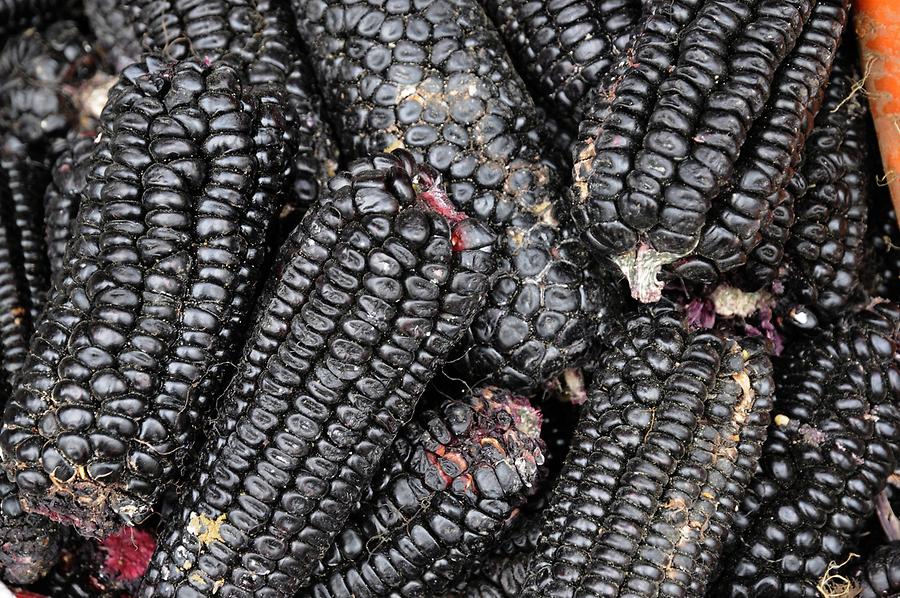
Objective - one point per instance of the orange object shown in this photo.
(878, 30)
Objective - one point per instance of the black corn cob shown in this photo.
(665, 447)
(564, 48)
(370, 292)
(254, 32)
(48, 80)
(433, 77)
(258, 36)
(832, 445)
(63, 196)
(25, 182)
(43, 78)
(316, 159)
(826, 249)
(177, 29)
(29, 544)
(504, 570)
(16, 324)
(453, 482)
(681, 151)
(747, 224)
(163, 262)
(878, 576)
(116, 27)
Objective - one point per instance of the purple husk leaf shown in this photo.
(766, 329)
(701, 313)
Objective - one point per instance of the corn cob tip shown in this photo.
(510, 424)
(429, 190)
(641, 267)
(28, 549)
(29, 545)
(95, 510)
(493, 402)
(492, 430)
(426, 183)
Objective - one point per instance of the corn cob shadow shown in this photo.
(881, 270)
